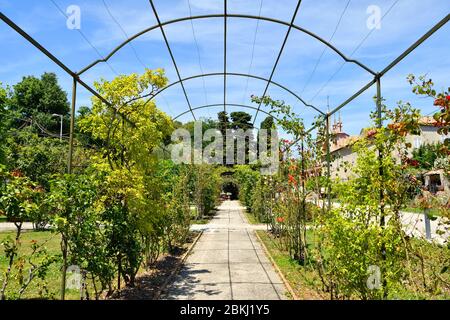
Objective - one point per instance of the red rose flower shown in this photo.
(291, 179)
(17, 173)
(414, 163)
(439, 102)
(371, 133)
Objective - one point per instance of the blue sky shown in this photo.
(404, 23)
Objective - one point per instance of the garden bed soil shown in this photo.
(149, 283)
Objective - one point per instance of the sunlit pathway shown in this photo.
(227, 262)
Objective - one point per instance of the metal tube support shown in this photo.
(381, 175)
(229, 15)
(328, 158)
(72, 125)
(380, 151)
(225, 31)
(235, 74)
(61, 128)
(278, 58)
(172, 57)
(427, 224)
(303, 165)
(421, 40)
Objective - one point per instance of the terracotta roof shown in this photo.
(427, 121)
(349, 140)
(342, 143)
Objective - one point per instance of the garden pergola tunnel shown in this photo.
(291, 26)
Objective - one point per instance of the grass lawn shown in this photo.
(36, 289)
(432, 211)
(251, 218)
(306, 283)
(2, 219)
(51, 288)
(301, 279)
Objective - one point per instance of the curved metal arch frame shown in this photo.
(218, 74)
(76, 76)
(229, 15)
(221, 105)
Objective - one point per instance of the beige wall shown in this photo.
(429, 135)
(342, 157)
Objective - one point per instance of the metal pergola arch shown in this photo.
(246, 106)
(76, 75)
(229, 15)
(291, 25)
(212, 74)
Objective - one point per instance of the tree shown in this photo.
(224, 122)
(133, 128)
(38, 158)
(43, 95)
(18, 203)
(268, 124)
(427, 154)
(205, 188)
(130, 132)
(71, 202)
(207, 124)
(371, 204)
(241, 120)
(38, 99)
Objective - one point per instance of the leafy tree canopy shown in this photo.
(33, 95)
(268, 123)
(426, 155)
(241, 120)
(134, 140)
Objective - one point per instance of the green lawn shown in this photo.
(2, 219)
(48, 290)
(306, 283)
(251, 218)
(432, 211)
(301, 279)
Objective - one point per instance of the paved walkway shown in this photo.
(9, 226)
(227, 263)
(414, 225)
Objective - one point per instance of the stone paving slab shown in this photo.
(227, 263)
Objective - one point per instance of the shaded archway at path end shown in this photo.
(231, 188)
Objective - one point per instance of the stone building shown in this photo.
(341, 146)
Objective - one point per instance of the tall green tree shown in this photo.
(268, 124)
(128, 160)
(241, 120)
(40, 98)
(223, 122)
(45, 95)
